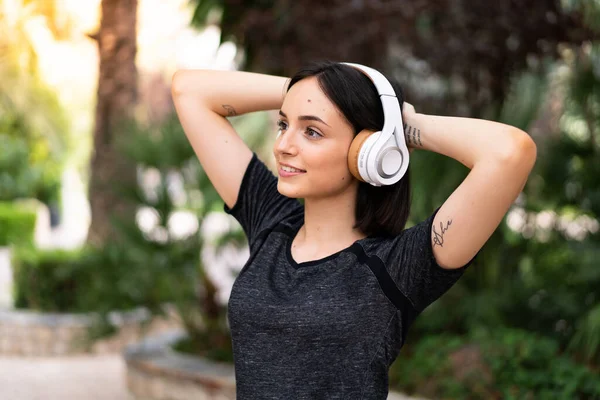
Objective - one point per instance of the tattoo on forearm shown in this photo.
(230, 110)
(438, 238)
(412, 135)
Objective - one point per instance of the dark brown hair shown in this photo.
(380, 211)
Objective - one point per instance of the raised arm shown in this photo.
(203, 99)
(500, 158)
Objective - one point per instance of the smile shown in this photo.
(285, 171)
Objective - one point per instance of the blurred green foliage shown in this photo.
(49, 281)
(30, 113)
(493, 364)
(18, 178)
(17, 224)
(94, 280)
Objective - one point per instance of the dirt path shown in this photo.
(65, 378)
(70, 378)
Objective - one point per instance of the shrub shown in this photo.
(18, 179)
(98, 280)
(17, 224)
(49, 280)
(512, 364)
(526, 365)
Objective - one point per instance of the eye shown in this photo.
(312, 133)
(282, 125)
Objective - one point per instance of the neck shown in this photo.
(329, 221)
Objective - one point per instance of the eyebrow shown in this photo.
(305, 118)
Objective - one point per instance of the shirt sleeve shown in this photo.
(413, 267)
(259, 205)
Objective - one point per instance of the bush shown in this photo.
(50, 280)
(96, 280)
(26, 169)
(17, 224)
(510, 364)
(425, 368)
(133, 273)
(18, 179)
(526, 365)
(99, 281)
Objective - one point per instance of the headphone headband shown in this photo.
(384, 87)
(383, 159)
(391, 107)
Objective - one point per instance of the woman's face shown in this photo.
(315, 138)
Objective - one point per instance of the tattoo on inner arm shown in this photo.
(230, 110)
(438, 238)
(412, 135)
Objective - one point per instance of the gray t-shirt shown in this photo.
(328, 328)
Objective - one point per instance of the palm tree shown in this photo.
(117, 96)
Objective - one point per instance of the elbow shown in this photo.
(177, 85)
(187, 81)
(527, 150)
(522, 150)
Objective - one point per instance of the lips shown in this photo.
(291, 166)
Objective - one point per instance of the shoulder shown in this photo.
(380, 246)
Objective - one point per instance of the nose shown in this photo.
(285, 143)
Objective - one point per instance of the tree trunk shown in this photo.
(117, 95)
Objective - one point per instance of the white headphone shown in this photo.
(380, 158)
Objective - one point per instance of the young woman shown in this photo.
(323, 305)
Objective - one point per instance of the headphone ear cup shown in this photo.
(354, 152)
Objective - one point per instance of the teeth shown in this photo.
(289, 169)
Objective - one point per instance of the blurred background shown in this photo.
(104, 208)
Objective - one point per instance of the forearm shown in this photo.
(230, 93)
(466, 140)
